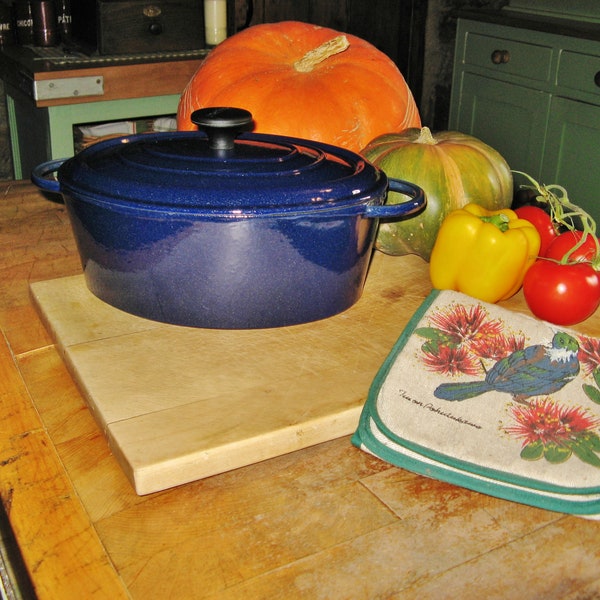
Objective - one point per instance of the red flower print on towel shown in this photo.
(555, 432)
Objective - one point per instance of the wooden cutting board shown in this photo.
(178, 404)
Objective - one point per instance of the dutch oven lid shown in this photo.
(221, 169)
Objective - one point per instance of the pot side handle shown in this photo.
(39, 175)
(415, 204)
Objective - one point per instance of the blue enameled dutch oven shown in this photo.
(222, 228)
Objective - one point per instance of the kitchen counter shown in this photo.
(329, 521)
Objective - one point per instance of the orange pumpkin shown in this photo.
(305, 81)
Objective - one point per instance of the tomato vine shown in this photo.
(568, 215)
(563, 287)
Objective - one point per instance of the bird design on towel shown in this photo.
(533, 371)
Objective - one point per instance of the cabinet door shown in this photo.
(572, 153)
(508, 117)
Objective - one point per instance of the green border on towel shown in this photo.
(452, 470)
(364, 439)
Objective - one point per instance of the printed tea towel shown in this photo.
(492, 400)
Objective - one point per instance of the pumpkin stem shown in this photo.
(426, 137)
(317, 55)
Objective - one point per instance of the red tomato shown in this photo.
(562, 294)
(565, 241)
(542, 221)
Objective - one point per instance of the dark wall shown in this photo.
(418, 35)
(440, 37)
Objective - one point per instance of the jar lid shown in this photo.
(221, 169)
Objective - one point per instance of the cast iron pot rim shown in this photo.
(331, 208)
(345, 197)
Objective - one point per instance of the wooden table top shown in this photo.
(326, 522)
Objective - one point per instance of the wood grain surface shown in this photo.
(180, 403)
(328, 521)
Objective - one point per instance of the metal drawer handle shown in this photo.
(597, 78)
(500, 57)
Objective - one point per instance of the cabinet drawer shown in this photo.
(531, 61)
(579, 72)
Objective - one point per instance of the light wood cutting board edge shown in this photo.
(394, 289)
(238, 454)
(197, 465)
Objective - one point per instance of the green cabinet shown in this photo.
(508, 117)
(535, 97)
(572, 152)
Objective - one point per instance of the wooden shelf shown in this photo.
(127, 81)
(103, 89)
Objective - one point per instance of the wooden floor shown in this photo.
(327, 522)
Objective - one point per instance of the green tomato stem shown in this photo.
(564, 212)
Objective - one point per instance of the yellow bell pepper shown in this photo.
(483, 253)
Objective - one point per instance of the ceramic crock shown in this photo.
(222, 228)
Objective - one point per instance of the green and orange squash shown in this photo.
(453, 169)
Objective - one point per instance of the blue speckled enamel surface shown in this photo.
(179, 172)
(276, 234)
(235, 274)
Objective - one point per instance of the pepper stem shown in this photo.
(499, 220)
(317, 55)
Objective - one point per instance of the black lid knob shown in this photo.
(222, 125)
